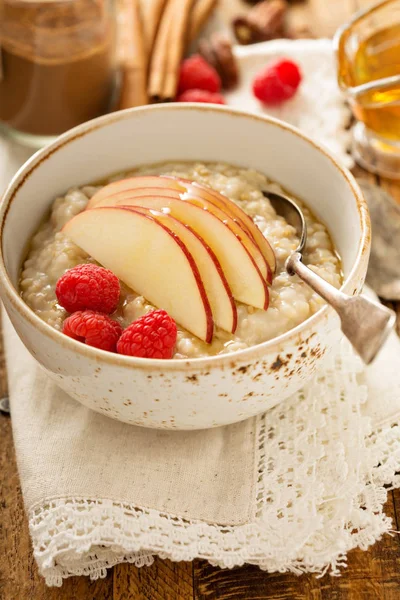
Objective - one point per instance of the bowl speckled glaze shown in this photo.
(203, 392)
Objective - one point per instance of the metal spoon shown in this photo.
(365, 323)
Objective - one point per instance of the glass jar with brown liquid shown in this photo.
(368, 57)
(58, 65)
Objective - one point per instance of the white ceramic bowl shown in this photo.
(203, 392)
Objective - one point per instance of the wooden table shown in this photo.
(370, 575)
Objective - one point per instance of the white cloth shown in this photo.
(311, 490)
(294, 489)
(318, 108)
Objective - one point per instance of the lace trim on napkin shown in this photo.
(318, 486)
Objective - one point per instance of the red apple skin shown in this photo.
(223, 278)
(245, 220)
(193, 196)
(146, 199)
(216, 264)
(206, 303)
(138, 191)
(195, 192)
(183, 185)
(199, 283)
(160, 202)
(265, 284)
(130, 183)
(239, 222)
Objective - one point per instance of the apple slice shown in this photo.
(236, 212)
(243, 275)
(149, 258)
(185, 185)
(98, 199)
(218, 291)
(234, 225)
(223, 202)
(201, 202)
(130, 183)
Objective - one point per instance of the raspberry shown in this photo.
(94, 329)
(150, 336)
(196, 73)
(201, 96)
(277, 82)
(88, 287)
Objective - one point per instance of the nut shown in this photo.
(217, 51)
(263, 22)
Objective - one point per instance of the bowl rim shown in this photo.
(172, 364)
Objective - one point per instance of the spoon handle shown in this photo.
(365, 323)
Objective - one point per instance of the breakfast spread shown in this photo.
(200, 81)
(197, 248)
(62, 65)
(156, 44)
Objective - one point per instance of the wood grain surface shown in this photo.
(370, 575)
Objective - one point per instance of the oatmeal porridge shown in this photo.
(52, 253)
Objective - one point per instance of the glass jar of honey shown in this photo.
(368, 59)
(58, 65)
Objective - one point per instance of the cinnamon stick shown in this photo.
(152, 11)
(134, 57)
(178, 43)
(202, 11)
(168, 50)
(158, 63)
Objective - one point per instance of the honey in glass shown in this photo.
(368, 53)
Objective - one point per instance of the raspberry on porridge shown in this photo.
(258, 300)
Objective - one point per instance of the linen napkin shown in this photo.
(294, 489)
